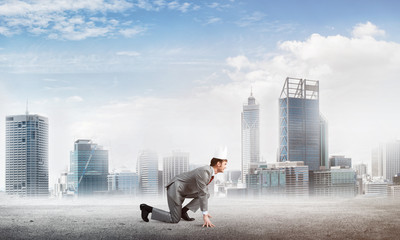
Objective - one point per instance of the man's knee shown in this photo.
(208, 195)
(175, 220)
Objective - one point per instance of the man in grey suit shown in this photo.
(191, 184)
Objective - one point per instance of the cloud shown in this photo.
(128, 53)
(367, 30)
(212, 20)
(248, 20)
(159, 5)
(70, 20)
(130, 32)
(73, 99)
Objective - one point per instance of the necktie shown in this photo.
(212, 177)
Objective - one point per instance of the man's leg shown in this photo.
(175, 211)
(194, 205)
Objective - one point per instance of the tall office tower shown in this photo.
(124, 182)
(27, 171)
(387, 157)
(147, 169)
(175, 164)
(300, 126)
(340, 161)
(324, 143)
(376, 162)
(250, 135)
(88, 168)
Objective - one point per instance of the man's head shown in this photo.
(219, 165)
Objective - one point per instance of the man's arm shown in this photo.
(202, 178)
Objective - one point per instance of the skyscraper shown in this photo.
(386, 160)
(300, 123)
(175, 164)
(250, 135)
(27, 172)
(324, 143)
(88, 168)
(147, 169)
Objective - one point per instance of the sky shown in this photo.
(174, 75)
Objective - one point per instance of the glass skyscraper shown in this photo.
(147, 169)
(88, 168)
(300, 126)
(27, 172)
(250, 135)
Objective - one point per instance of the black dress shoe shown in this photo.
(186, 217)
(145, 211)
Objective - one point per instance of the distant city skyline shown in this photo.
(168, 75)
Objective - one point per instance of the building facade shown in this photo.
(300, 123)
(124, 182)
(340, 161)
(361, 169)
(266, 182)
(176, 163)
(250, 135)
(88, 168)
(27, 171)
(297, 178)
(324, 164)
(386, 160)
(147, 169)
(335, 183)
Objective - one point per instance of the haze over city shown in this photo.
(167, 75)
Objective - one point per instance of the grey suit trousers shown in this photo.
(175, 210)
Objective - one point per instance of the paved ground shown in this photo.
(359, 218)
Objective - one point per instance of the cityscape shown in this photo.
(303, 167)
(103, 103)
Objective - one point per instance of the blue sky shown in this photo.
(174, 74)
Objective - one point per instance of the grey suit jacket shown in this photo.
(192, 184)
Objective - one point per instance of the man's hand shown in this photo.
(207, 222)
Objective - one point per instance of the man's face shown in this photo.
(221, 166)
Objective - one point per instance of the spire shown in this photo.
(251, 99)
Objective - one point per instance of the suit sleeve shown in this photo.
(201, 181)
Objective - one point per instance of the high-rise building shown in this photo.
(147, 169)
(300, 123)
(250, 135)
(88, 168)
(175, 164)
(386, 160)
(124, 182)
(340, 161)
(376, 162)
(27, 171)
(324, 164)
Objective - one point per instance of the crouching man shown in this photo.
(193, 184)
